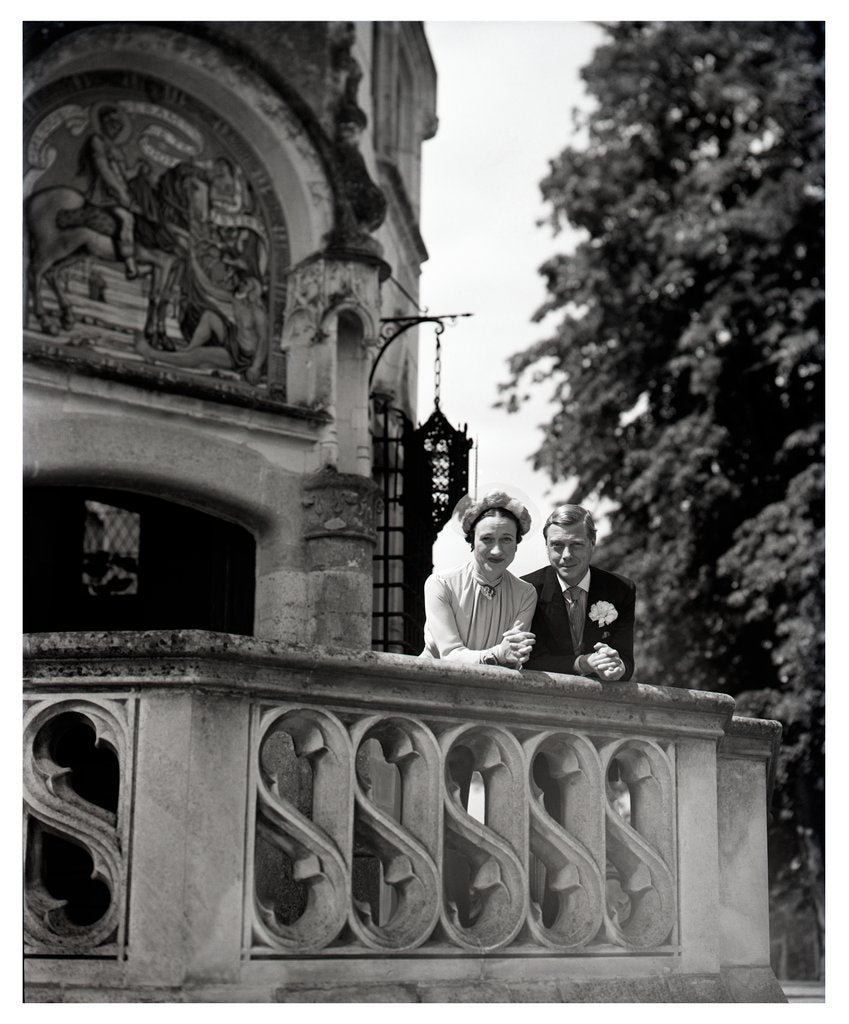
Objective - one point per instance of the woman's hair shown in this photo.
(492, 510)
(469, 511)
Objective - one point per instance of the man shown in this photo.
(584, 619)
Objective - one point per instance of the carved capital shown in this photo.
(319, 288)
(339, 505)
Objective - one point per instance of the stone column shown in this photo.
(339, 511)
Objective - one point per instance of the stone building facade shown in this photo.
(217, 217)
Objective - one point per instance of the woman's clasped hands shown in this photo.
(515, 647)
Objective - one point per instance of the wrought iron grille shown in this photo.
(110, 550)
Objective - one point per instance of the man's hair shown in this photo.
(568, 515)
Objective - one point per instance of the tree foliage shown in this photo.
(688, 362)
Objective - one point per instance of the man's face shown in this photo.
(569, 551)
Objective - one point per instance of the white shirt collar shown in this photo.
(584, 583)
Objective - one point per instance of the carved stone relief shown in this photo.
(339, 505)
(317, 292)
(152, 233)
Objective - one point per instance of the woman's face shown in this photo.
(494, 544)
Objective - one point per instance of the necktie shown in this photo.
(576, 617)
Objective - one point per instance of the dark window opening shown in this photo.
(98, 559)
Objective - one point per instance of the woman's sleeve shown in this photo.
(442, 624)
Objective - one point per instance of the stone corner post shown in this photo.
(745, 764)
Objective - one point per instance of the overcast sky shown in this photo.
(505, 92)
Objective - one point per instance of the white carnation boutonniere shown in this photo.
(603, 613)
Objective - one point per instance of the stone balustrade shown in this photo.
(217, 818)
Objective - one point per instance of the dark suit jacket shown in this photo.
(553, 651)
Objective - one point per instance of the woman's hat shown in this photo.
(468, 509)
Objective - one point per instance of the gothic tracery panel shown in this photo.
(365, 839)
(76, 823)
(566, 839)
(484, 877)
(640, 904)
(409, 848)
(303, 814)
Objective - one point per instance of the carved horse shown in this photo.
(62, 229)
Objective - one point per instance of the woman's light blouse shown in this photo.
(461, 624)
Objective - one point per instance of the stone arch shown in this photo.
(147, 457)
(197, 281)
(235, 93)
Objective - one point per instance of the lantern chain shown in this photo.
(437, 367)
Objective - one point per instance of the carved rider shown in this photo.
(104, 163)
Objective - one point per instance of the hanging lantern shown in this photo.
(436, 470)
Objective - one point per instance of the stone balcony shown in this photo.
(218, 818)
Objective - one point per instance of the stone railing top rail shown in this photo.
(217, 662)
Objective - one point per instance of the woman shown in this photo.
(481, 613)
